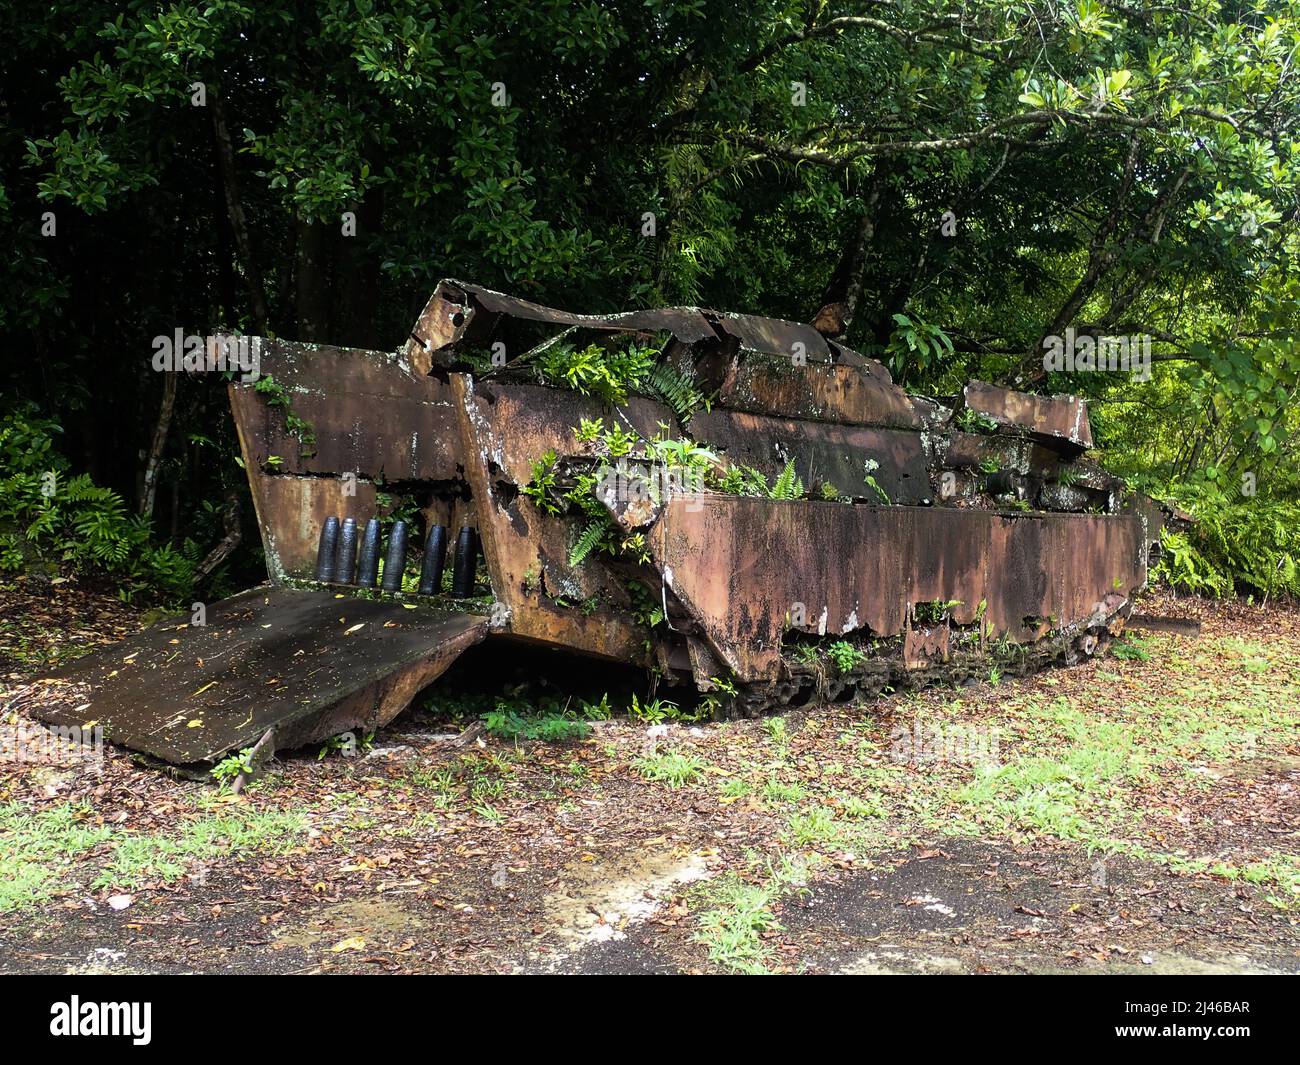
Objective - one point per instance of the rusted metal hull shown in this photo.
(374, 422)
(937, 542)
(504, 430)
(825, 452)
(751, 570)
(816, 392)
(1057, 421)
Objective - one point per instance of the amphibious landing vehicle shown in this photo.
(739, 505)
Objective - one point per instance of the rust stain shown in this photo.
(750, 570)
(1053, 420)
(816, 391)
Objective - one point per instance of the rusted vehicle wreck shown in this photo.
(716, 497)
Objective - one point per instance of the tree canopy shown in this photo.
(960, 180)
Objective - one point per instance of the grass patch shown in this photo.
(139, 857)
(777, 790)
(818, 825)
(738, 913)
(38, 851)
(672, 768)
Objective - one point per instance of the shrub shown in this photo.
(1246, 546)
(48, 517)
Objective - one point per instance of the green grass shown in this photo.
(138, 857)
(36, 850)
(854, 807)
(736, 913)
(39, 851)
(672, 768)
(732, 928)
(818, 825)
(736, 789)
(779, 791)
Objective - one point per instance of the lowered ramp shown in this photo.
(307, 664)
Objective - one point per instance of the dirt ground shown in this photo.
(1139, 813)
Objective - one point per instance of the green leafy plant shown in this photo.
(1131, 649)
(51, 519)
(279, 397)
(787, 485)
(541, 487)
(589, 539)
(507, 723)
(869, 468)
(609, 373)
(677, 390)
(970, 421)
(932, 613)
(916, 346)
(229, 768)
(845, 655)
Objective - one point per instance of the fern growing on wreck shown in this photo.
(613, 373)
(787, 484)
(588, 540)
(675, 389)
(606, 373)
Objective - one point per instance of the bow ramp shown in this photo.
(303, 664)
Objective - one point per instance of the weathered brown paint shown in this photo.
(527, 551)
(462, 312)
(740, 566)
(1053, 420)
(850, 395)
(291, 511)
(823, 452)
(372, 417)
(729, 571)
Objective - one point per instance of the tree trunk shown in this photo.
(844, 289)
(149, 487)
(311, 303)
(358, 277)
(227, 544)
(235, 212)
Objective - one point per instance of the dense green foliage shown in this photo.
(1249, 548)
(963, 180)
(47, 513)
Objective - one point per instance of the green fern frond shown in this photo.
(587, 541)
(675, 389)
(787, 485)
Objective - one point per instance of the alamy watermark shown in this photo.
(650, 482)
(959, 744)
(1084, 353)
(188, 353)
(62, 745)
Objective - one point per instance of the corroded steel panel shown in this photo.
(749, 569)
(1053, 420)
(459, 311)
(773, 336)
(522, 422)
(291, 511)
(308, 664)
(823, 452)
(369, 413)
(852, 395)
(960, 449)
(504, 430)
